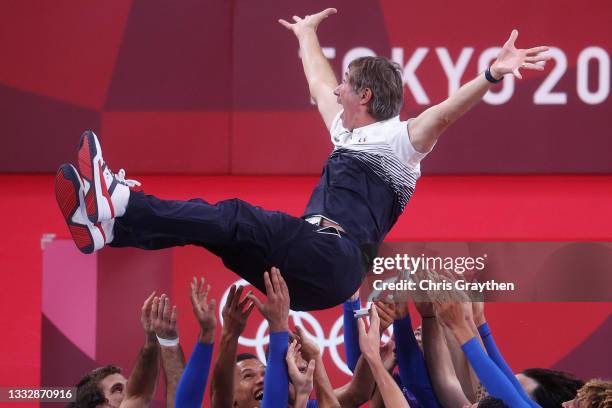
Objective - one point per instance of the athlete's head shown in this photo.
(594, 394)
(549, 388)
(372, 86)
(248, 381)
(102, 387)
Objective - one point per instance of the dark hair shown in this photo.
(245, 356)
(88, 392)
(384, 78)
(490, 402)
(554, 387)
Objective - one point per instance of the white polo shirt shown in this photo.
(386, 149)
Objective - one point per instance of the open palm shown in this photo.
(510, 59)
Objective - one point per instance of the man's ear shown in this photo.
(365, 95)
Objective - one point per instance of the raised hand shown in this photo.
(203, 310)
(276, 307)
(308, 23)
(511, 60)
(303, 382)
(163, 317)
(386, 313)
(369, 341)
(145, 317)
(236, 311)
(309, 348)
(478, 313)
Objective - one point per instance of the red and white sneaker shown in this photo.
(106, 193)
(87, 236)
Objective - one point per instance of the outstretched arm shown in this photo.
(235, 314)
(319, 74)
(429, 125)
(190, 390)
(173, 360)
(276, 311)
(369, 342)
(141, 384)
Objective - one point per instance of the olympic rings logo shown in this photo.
(331, 343)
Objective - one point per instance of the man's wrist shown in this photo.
(207, 336)
(229, 335)
(279, 327)
(495, 74)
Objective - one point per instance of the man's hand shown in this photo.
(478, 313)
(386, 313)
(236, 312)
(163, 318)
(308, 23)
(309, 348)
(145, 318)
(203, 310)
(370, 342)
(510, 59)
(425, 309)
(452, 314)
(276, 308)
(303, 382)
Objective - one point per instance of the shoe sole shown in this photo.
(67, 194)
(97, 200)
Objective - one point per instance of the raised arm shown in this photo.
(235, 315)
(429, 125)
(141, 384)
(412, 369)
(454, 316)
(276, 311)
(351, 335)
(172, 357)
(438, 360)
(190, 390)
(318, 71)
(369, 343)
(310, 351)
(303, 382)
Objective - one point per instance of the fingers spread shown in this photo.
(173, 316)
(257, 303)
(310, 370)
(536, 67)
(517, 73)
(536, 50)
(513, 36)
(268, 283)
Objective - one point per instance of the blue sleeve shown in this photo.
(191, 386)
(312, 404)
(412, 369)
(351, 334)
(276, 380)
(498, 359)
(496, 383)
